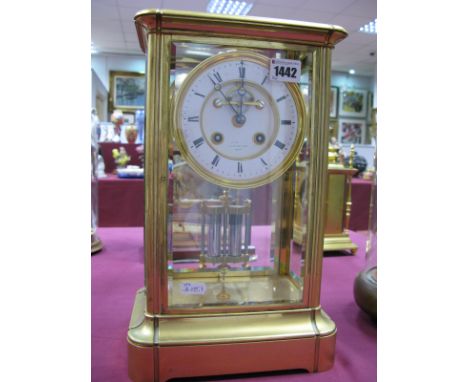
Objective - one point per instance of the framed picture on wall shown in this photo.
(127, 91)
(129, 118)
(353, 103)
(352, 131)
(333, 102)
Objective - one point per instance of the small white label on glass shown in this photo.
(285, 70)
(192, 288)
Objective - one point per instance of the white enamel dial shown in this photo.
(234, 125)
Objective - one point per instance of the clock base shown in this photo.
(165, 347)
(339, 242)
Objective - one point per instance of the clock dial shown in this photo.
(235, 126)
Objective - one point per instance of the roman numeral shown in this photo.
(217, 76)
(285, 122)
(279, 144)
(264, 80)
(198, 142)
(215, 160)
(239, 167)
(199, 94)
(263, 161)
(193, 119)
(242, 71)
(282, 98)
(212, 81)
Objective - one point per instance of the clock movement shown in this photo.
(233, 105)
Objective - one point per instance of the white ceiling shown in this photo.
(113, 30)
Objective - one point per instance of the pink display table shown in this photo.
(121, 202)
(360, 196)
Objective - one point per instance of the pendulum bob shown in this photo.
(222, 226)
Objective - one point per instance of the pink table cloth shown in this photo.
(117, 273)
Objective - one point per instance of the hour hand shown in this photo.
(218, 87)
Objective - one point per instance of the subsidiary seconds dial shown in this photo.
(235, 126)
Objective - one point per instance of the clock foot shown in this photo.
(339, 242)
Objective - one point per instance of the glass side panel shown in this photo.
(239, 164)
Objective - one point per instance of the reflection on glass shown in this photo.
(233, 245)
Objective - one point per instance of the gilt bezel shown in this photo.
(269, 177)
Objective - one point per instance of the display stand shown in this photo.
(339, 205)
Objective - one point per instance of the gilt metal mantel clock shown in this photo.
(233, 104)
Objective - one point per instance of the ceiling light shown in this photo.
(352, 71)
(370, 27)
(229, 7)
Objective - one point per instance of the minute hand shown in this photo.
(241, 90)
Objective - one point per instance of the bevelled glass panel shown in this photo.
(238, 177)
